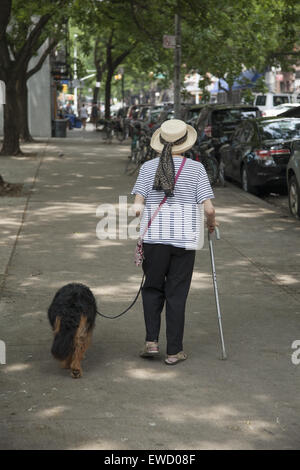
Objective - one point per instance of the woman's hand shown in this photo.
(210, 214)
(138, 205)
(211, 225)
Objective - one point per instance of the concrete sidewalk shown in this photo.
(250, 401)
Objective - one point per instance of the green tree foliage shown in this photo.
(127, 33)
(231, 35)
(24, 26)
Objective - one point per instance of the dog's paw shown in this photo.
(76, 373)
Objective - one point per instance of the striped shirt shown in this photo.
(179, 219)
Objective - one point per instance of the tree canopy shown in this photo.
(218, 38)
(237, 34)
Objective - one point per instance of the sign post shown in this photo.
(177, 67)
(169, 42)
(174, 42)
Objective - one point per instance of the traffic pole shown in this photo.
(177, 67)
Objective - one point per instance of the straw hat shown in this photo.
(173, 130)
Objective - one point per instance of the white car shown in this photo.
(281, 108)
(270, 100)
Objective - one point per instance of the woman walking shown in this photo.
(168, 191)
(83, 116)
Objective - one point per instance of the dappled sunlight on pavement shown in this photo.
(123, 401)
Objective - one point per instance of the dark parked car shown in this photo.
(293, 180)
(146, 110)
(216, 124)
(190, 113)
(292, 112)
(259, 151)
(133, 111)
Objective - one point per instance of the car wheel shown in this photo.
(246, 185)
(294, 197)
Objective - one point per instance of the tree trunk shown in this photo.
(11, 144)
(108, 93)
(99, 75)
(96, 92)
(23, 113)
(230, 95)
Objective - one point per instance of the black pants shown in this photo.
(168, 273)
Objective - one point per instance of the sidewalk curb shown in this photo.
(257, 200)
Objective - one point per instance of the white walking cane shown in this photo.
(224, 356)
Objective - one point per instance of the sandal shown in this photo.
(151, 349)
(175, 358)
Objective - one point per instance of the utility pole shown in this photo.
(177, 67)
(75, 77)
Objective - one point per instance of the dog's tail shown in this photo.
(64, 335)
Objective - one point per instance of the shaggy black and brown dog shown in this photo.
(72, 316)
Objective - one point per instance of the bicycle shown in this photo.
(209, 162)
(122, 131)
(140, 149)
(108, 129)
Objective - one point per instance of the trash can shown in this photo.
(59, 128)
(78, 123)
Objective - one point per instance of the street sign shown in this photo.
(75, 83)
(169, 42)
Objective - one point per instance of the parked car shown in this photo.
(292, 112)
(270, 100)
(281, 108)
(133, 111)
(293, 180)
(216, 123)
(132, 115)
(190, 113)
(164, 115)
(122, 112)
(259, 151)
(152, 118)
(146, 110)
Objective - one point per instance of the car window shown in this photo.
(202, 118)
(247, 133)
(192, 113)
(228, 116)
(164, 115)
(261, 100)
(277, 100)
(250, 113)
(154, 115)
(280, 129)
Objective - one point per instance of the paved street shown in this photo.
(48, 238)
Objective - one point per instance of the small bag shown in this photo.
(139, 252)
(139, 249)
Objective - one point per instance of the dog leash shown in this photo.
(128, 308)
